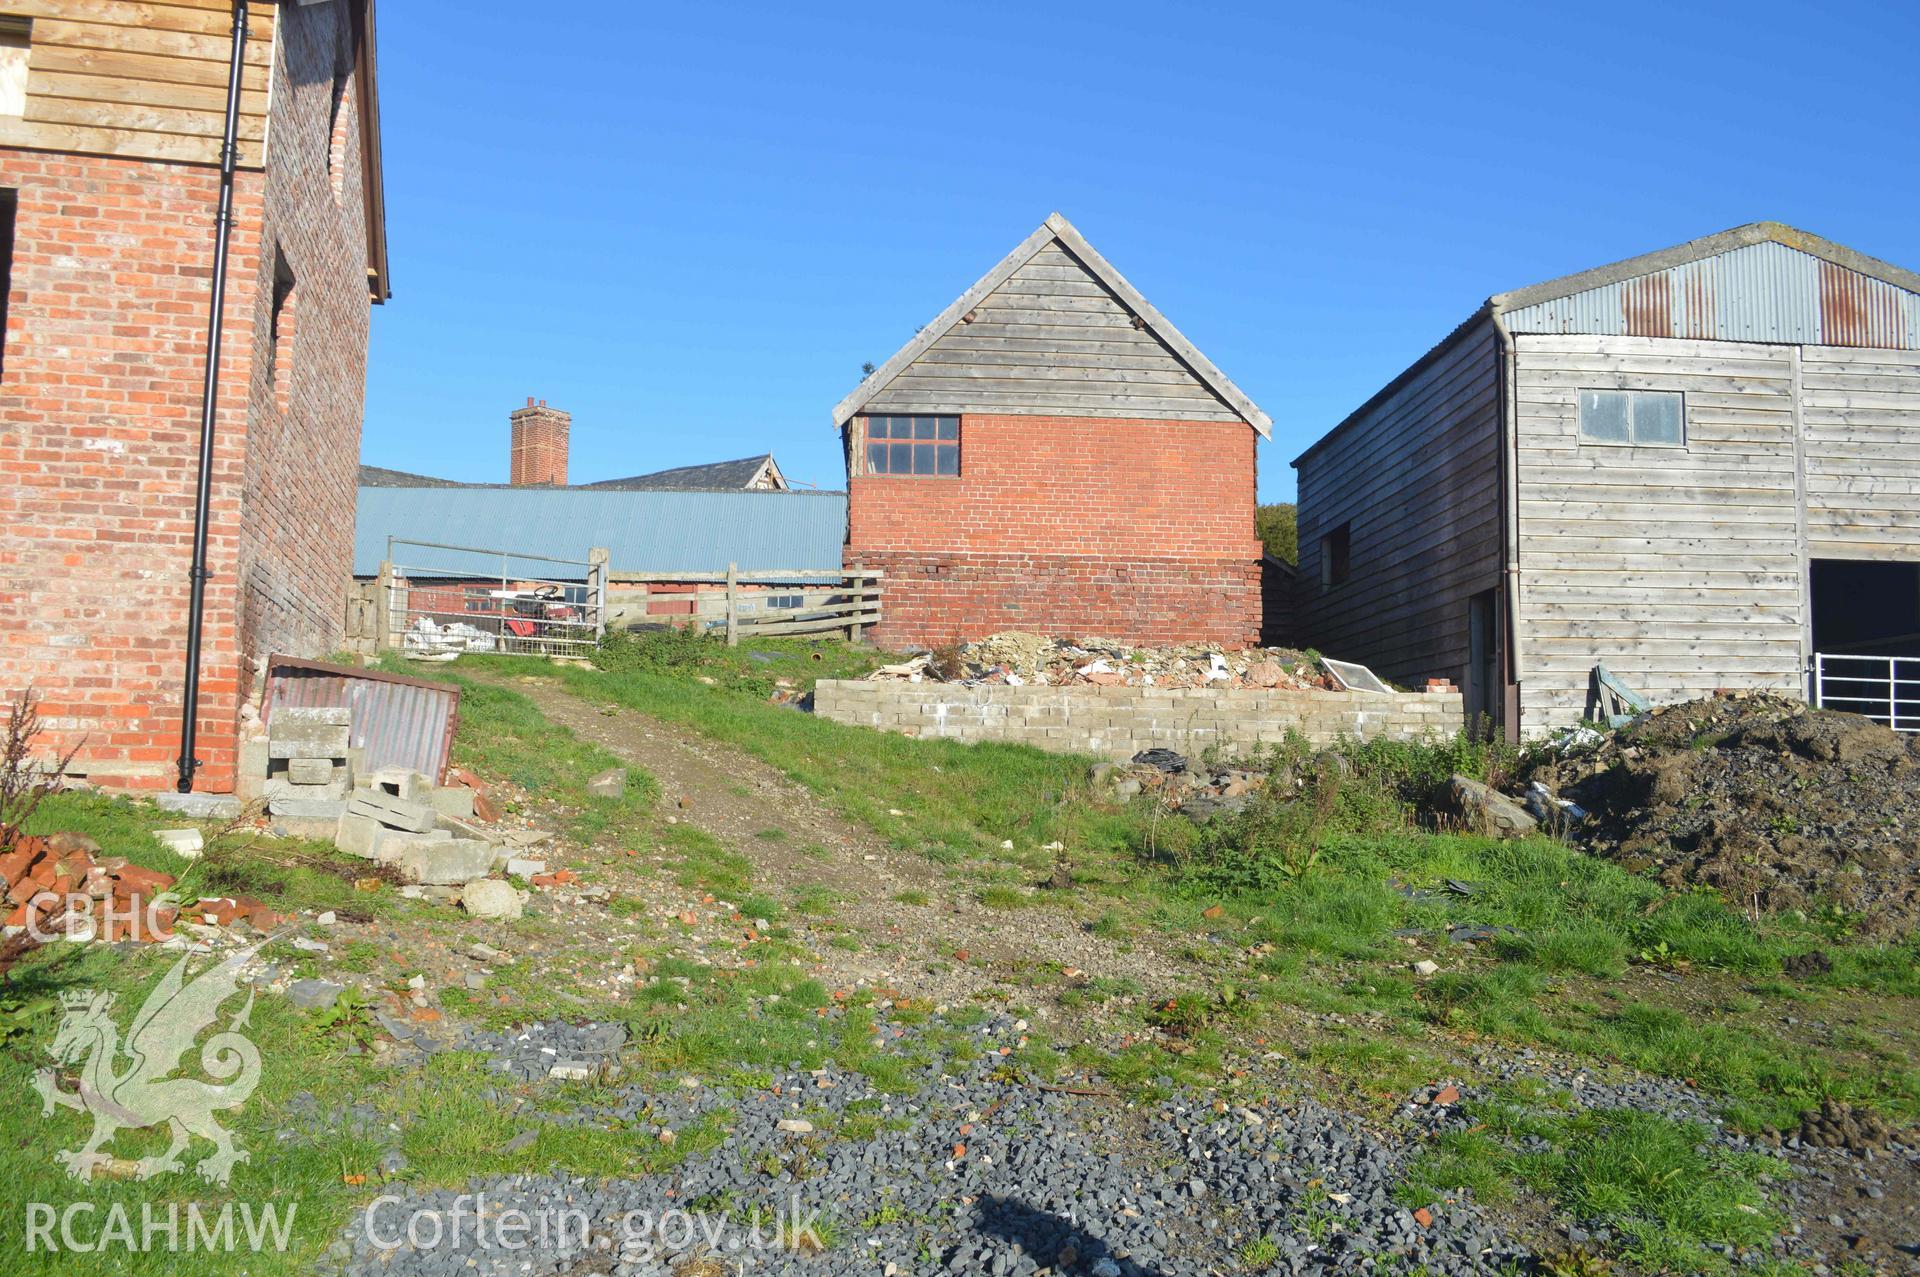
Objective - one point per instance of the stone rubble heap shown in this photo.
(433, 837)
(1196, 789)
(1017, 659)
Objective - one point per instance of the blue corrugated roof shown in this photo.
(644, 531)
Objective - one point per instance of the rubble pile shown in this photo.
(1776, 805)
(1196, 789)
(61, 885)
(1017, 659)
(435, 837)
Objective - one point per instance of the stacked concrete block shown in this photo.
(398, 817)
(392, 810)
(308, 774)
(404, 783)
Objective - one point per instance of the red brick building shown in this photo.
(109, 179)
(1050, 454)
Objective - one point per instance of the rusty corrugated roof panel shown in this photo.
(398, 721)
(1767, 291)
(1856, 310)
(1648, 302)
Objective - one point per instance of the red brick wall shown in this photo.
(539, 445)
(99, 434)
(303, 443)
(100, 397)
(1139, 530)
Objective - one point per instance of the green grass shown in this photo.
(1322, 924)
(758, 667)
(704, 862)
(308, 1172)
(503, 734)
(1334, 941)
(953, 800)
(289, 874)
(1652, 1179)
(816, 900)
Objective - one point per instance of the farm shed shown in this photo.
(1699, 467)
(1050, 454)
(657, 542)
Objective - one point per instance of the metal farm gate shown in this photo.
(451, 599)
(1883, 688)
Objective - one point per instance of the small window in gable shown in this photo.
(16, 39)
(1647, 418)
(1336, 554)
(920, 447)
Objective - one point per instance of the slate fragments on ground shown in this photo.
(967, 1168)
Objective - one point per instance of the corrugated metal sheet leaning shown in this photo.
(398, 721)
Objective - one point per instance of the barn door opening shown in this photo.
(1866, 639)
(1483, 666)
(1865, 607)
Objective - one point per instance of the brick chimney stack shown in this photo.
(540, 445)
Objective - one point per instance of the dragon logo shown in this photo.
(141, 1094)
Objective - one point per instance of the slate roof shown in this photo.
(381, 477)
(717, 476)
(645, 531)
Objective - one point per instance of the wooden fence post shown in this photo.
(733, 605)
(853, 630)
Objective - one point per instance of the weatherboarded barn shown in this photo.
(1699, 467)
(1050, 454)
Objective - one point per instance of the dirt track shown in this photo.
(736, 797)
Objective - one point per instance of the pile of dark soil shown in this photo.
(1778, 806)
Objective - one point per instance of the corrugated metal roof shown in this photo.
(1764, 292)
(644, 531)
(398, 721)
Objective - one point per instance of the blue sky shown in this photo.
(690, 224)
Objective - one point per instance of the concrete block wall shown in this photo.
(1119, 722)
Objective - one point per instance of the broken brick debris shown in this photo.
(1020, 659)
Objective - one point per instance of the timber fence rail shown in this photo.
(750, 604)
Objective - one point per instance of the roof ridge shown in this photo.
(1056, 227)
(1694, 250)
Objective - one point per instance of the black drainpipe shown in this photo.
(209, 398)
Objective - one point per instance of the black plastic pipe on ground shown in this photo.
(209, 403)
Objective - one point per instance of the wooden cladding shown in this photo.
(141, 80)
(1052, 340)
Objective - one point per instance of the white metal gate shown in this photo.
(467, 599)
(1883, 688)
